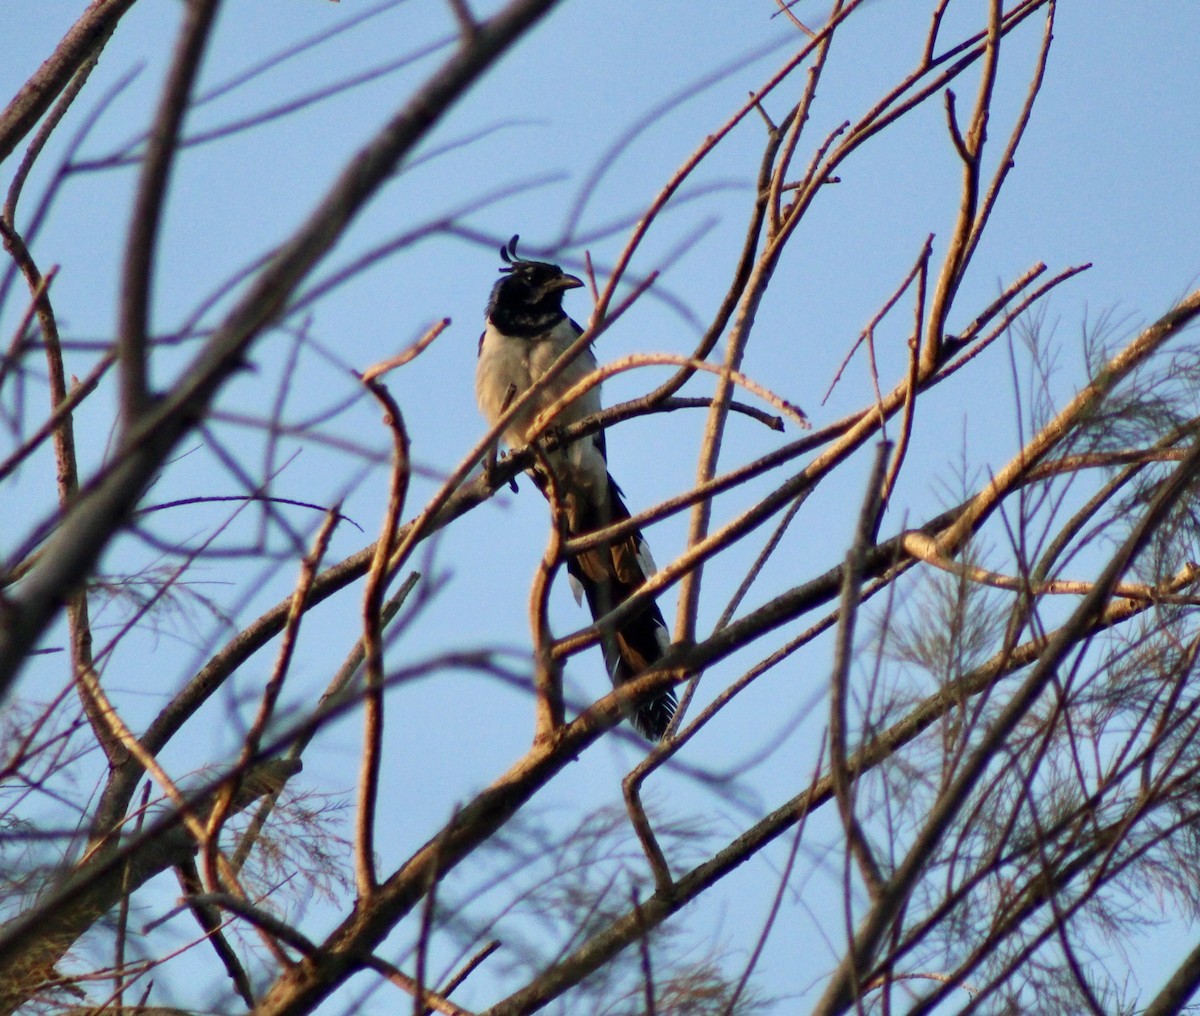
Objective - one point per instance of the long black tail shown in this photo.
(609, 575)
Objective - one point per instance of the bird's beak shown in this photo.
(565, 281)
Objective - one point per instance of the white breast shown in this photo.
(506, 362)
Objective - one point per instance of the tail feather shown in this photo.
(609, 575)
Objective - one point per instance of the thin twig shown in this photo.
(432, 1001)
(1119, 366)
(140, 252)
(1005, 322)
(372, 639)
(547, 672)
(49, 125)
(631, 787)
(867, 334)
(223, 803)
(406, 356)
(336, 692)
(209, 918)
(123, 909)
(735, 601)
(785, 8)
(1008, 158)
(864, 538)
(470, 966)
(40, 293)
(781, 889)
(67, 474)
(910, 392)
(636, 360)
(926, 549)
(648, 992)
(423, 938)
(271, 927)
(466, 21)
(54, 422)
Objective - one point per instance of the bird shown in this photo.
(526, 331)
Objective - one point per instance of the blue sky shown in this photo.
(1107, 174)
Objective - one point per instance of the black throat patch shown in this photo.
(525, 322)
(522, 310)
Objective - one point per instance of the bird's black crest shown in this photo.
(508, 253)
(527, 302)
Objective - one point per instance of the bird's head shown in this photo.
(528, 299)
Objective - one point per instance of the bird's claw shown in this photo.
(490, 462)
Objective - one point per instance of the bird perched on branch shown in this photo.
(527, 330)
